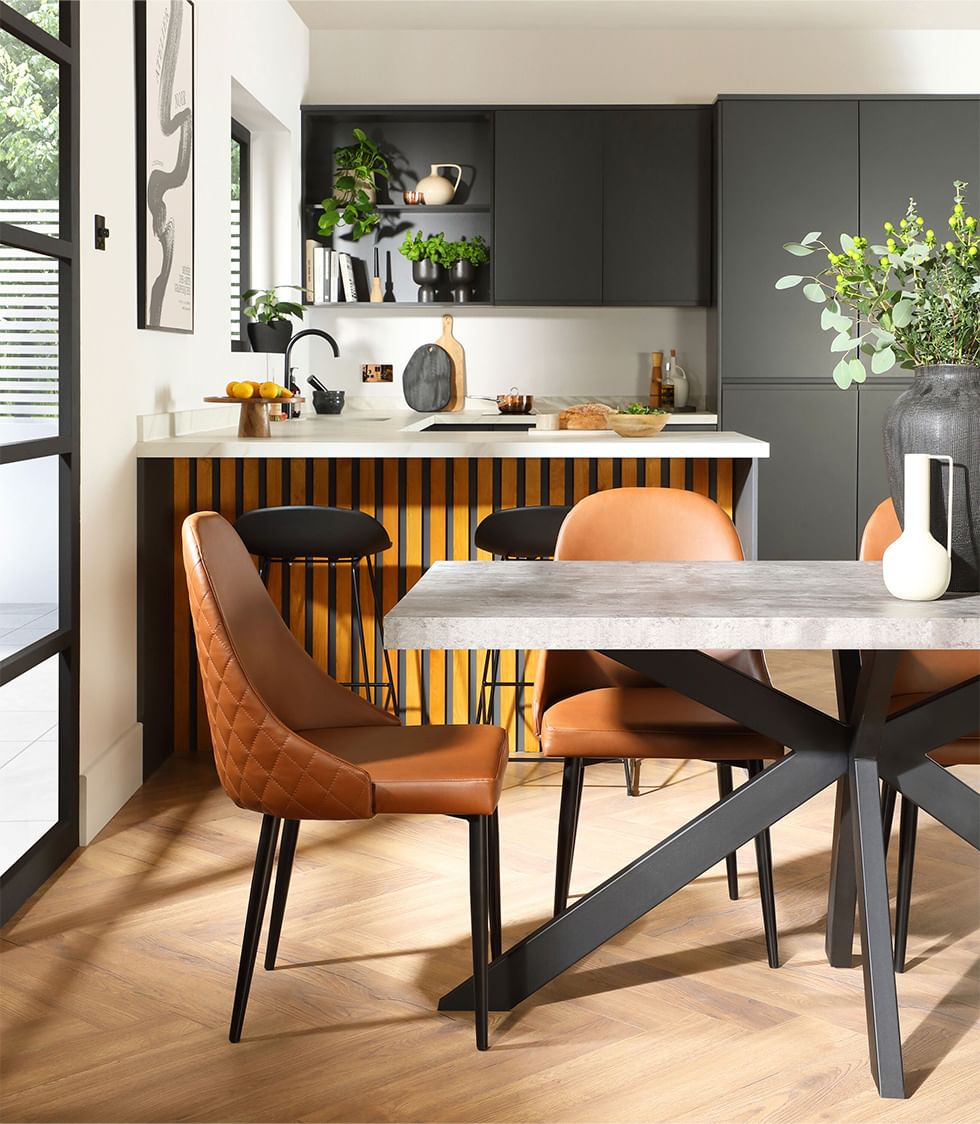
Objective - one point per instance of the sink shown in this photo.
(489, 424)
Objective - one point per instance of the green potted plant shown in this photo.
(269, 325)
(354, 198)
(429, 255)
(463, 259)
(913, 300)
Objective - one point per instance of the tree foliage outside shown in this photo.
(236, 169)
(29, 111)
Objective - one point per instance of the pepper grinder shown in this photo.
(656, 377)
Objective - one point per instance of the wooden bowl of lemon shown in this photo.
(255, 398)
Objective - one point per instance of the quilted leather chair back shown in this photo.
(260, 687)
(638, 525)
(922, 672)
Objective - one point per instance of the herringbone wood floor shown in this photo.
(117, 977)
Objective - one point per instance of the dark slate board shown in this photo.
(428, 379)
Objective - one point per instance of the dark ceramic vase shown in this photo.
(426, 274)
(462, 274)
(940, 413)
(272, 337)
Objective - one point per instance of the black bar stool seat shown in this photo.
(327, 535)
(521, 532)
(308, 531)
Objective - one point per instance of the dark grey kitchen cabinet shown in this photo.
(656, 205)
(806, 486)
(547, 233)
(786, 167)
(872, 479)
(945, 138)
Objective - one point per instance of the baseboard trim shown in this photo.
(106, 785)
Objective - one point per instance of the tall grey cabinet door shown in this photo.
(656, 205)
(873, 403)
(806, 487)
(786, 168)
(547, 200)
(945, 140)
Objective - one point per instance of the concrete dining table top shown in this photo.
(673, 605)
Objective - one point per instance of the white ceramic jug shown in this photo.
(916, 567)
(437, 189)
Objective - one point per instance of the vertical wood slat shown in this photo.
(441, 504)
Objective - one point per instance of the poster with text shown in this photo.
(165, 157)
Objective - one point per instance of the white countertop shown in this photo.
(403, 433)
(666, 605)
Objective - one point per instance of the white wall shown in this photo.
(596, 350)
(263, 45)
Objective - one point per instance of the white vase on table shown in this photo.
(916, 567)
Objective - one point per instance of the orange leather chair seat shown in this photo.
(965, 751)
(443, 770)
(647, 722)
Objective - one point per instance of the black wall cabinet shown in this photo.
(806, 487)
(656, 206)
(786, 168)
(547, 198)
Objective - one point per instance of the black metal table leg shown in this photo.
(842, 897)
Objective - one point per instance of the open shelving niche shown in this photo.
(413, 140)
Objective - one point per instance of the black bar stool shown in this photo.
(327, 536)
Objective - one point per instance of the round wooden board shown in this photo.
(254, 401)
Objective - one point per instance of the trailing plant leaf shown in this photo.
(882, 361)
(902, 314)
(267, 308)
(798, 249)
(788, 281)
(856, 367)
(814, 292)
(842, 374)
(844, 342)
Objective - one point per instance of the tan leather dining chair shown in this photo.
(588, 708)
(918, 675)
(292, 745)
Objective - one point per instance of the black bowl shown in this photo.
(328, 401)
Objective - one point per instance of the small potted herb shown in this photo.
(269, 324)
(429, 255)
(464, 257)
(354, 198)
(638, 420)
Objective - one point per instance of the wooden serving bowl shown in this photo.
(637, 425)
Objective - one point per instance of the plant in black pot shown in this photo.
(916, 300)
(353, 202)
(465, 257)
(429, 255)
(269, 324)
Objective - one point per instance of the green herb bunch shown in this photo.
(350, 205)
(639, 408)
(473, 250)
(917, 296)
(427, 247)
(267, 308)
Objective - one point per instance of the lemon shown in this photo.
(242, 390)
(284, 393)
(269, 390)
(230, 388)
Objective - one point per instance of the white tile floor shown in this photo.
(22, 624)
(28, 739)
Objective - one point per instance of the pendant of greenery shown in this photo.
(916, 296)
(358, 166)
(267, 308)
(435, 248)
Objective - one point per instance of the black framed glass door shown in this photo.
(39, 443)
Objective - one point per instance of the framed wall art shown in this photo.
(165, 164)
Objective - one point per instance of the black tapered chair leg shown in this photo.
(284, 870)
(364, 676)
(481, 706)
(391, 695)
(887, 812)
(572, 779)
(258, 895)
(907, 823)
(493, 861)
(478, 926)
(725, 785)
(767, 894)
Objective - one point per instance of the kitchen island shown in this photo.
(429, 485)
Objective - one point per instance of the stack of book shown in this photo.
(329, 274)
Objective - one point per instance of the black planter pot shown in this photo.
(427, 275)
(940, 413)
(272, 337)
(462, 274)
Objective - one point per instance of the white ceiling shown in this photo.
(703, 15)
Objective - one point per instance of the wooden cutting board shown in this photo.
(454, 349)
(428, 379)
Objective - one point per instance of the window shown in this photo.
(39, 308)
(241, 192)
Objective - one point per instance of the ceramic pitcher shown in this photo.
(437, 189)
(916, 567)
